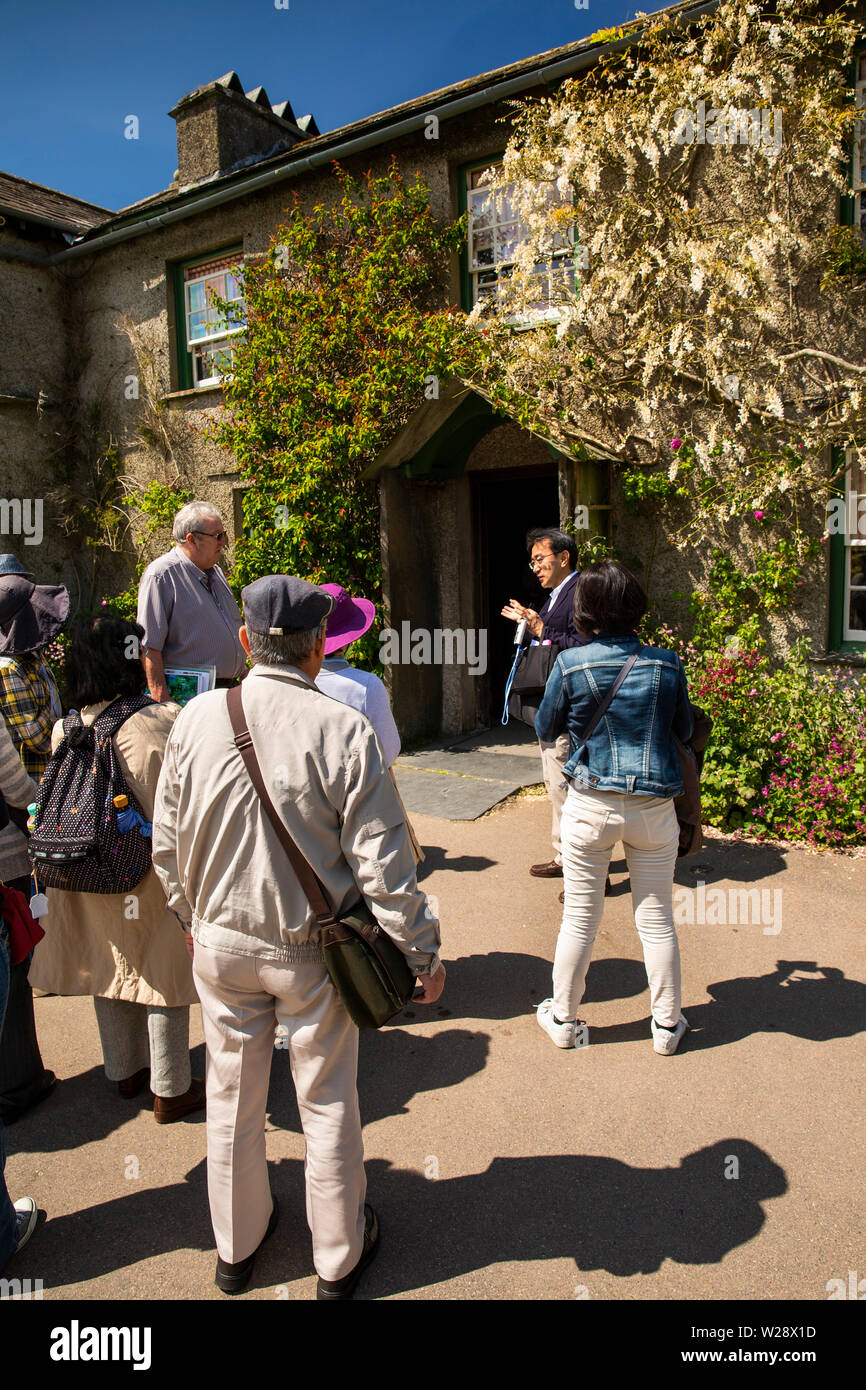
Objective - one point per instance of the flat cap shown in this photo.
(279, 604)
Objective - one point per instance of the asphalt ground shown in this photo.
(503, 1168)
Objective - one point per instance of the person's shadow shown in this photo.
(393, 1066)
(507, 984)
(817, 1009)
(435, 858)
(600, 1212)
(823, 1005)
(82, 1109)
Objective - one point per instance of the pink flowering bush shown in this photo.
(787, 755)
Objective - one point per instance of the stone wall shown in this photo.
(100, 323)
(35, 403)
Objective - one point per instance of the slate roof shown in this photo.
(35, 203)
(383, 120)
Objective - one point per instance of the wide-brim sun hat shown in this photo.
(350, 619)
(30, 614)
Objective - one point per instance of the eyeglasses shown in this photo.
(538, 560)
(214, 535)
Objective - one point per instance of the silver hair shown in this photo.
(288, 650)
(190, 516)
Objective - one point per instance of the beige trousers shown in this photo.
(243, 998)
(554, 756)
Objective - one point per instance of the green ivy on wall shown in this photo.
(342, 343)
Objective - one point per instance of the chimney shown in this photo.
(220, 128)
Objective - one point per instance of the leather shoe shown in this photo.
(234, 1278)
(344, 1288)
(551, 870)
(167, 1109)
(130, 1086)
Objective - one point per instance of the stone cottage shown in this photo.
(106, 316)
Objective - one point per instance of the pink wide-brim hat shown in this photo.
(349, 620)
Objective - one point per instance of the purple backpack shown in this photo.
(77, 843)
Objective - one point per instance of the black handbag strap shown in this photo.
(602, 708)
(307, 876)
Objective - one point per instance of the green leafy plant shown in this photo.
(342, 343)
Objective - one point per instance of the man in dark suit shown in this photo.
(553, 558)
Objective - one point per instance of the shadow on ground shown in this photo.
(82, 1109)
(801, 998)
(394, 1066)
(435, 858)
(506, 984)
(600, 1212)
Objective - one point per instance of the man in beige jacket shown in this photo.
(257, 960)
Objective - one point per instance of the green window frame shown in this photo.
(497, 229)
(204, 339)
(852, 209)
(848, 560)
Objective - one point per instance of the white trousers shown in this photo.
(554, 756)
(242, 1000)
(592, 823)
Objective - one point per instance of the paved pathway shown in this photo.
(462, 778)
(501, 1166)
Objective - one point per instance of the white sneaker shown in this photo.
(665, 1042)
(563, 1034)
(26, 1216)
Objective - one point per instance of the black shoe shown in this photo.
(9, 1113)
(345, 1287)
(234, 1278)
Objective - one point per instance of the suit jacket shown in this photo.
(559, 627)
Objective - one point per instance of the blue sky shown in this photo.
(74, 69)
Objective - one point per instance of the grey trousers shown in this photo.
(135, 1036)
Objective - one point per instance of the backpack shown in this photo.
(76, 843)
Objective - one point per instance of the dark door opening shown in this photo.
(507, 504)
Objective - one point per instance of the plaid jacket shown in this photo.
(30, 704)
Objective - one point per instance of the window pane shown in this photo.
(496, 231)
(211, 361)
(507, 241)
(480, 209)
(198, 325)
(857, 591)
(196, 296)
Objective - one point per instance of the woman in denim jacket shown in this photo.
(622, 782)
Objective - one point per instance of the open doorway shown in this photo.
(506, 504)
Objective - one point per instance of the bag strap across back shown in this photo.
(602, 708)
(307, 876)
